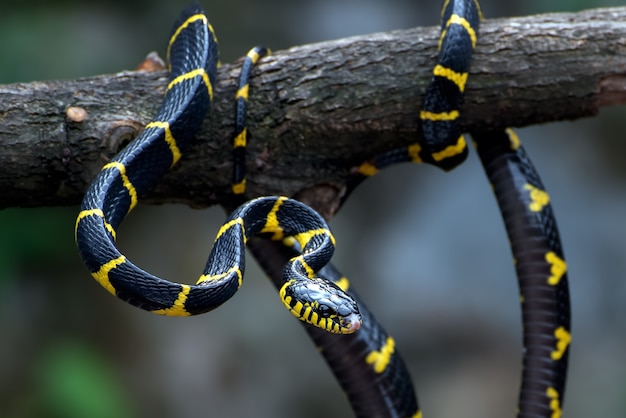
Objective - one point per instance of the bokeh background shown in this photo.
(426, 250)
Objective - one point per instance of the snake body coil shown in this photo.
(192, 52)
(367, 363)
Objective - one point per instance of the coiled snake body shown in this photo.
(366, 363)
(192, 52)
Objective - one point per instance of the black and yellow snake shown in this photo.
(366, 362)
(192, 53)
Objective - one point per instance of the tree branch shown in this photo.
(315, 110)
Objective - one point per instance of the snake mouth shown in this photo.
(351, 323)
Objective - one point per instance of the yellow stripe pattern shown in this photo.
(444, 116)
(367, 169)
(242, 93)
(451, 150)
(283, 293)
(444, 7)
(254, 56)
(309, 314)
(230, 224)
(309, 271)
(239, 188)
(193, 74)
(478, 9)
(379, 359)
(214, 38)
(211, 278)
(169, 139)
(555, 402)
(125, 181)
(414, 153)
(513, 139)
(563, 339)
(178, 307)
(458, 20)
(98, 213)
(457, 78)
(558, 268)
(343, 283)
(272, 224)
(102, 275)
(241, 139)
(328, 325)
(187, 22)
(305, 313)
(303, 238)
(539, 198)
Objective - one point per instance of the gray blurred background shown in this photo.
(426, 250)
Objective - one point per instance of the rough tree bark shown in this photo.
(315, 110)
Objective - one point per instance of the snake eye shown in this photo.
(326, 311)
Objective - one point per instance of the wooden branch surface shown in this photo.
(315, 110)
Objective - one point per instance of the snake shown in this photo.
(522, 199)
(192, 55)
(367, 364)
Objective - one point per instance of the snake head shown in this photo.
(321, 303)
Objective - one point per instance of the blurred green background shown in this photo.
(429, 254)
